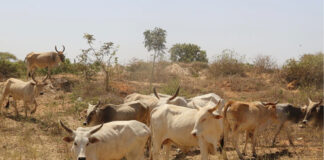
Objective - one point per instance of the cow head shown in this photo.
(91, 113)
(204, 118)
(60, 53)
(165, 100)
(39, 86)
(312, 108)
(81, 139)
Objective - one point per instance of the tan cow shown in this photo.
(47, 60)
(20, 90)
(248, 117)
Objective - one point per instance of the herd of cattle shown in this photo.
(159, 121)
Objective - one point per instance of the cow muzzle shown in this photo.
(85, 123)
(82, 158)
(194, 133)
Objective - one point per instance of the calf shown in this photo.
(113, 140)
(185, 127)
(248, 117)
(314, 112)
(128, 111)
(20, 90)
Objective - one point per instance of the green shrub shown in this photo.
(10, 66)
(307, 71)
(264, 64)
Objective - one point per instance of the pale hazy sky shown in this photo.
(281, 28)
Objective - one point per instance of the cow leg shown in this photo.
(235, 142)
(34, 110)
(277, 132)
(288, 129)
(15, 106)
(49, 72)
(203, 149)
(253, 138)
(166, 150)
(26, 108)
(155, 148)
(246, 142)
(137, 153)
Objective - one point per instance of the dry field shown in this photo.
(39, 137)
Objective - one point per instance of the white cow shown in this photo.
(108, 141)
(185, 127)
(20, 90)
(210, 99)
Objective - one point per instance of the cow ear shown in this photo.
(93, 140)
(68, 139)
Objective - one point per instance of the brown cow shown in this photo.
(128, 111)
(248, 117)
(47, 60)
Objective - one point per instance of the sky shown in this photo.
(282, 29)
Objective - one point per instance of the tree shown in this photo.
(187, 53)
(102, 57)
(154, 40)
(10, 66)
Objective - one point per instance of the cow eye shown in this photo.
(203, 120)
(87, 144)
(75, 144)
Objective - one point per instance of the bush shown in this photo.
(10, 66)
(307, 71)
(264, 64)
(227, 63)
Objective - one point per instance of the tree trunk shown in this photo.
(152, 73)
(106, 79)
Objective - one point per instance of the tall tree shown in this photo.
(102, 56)
(154, 40)
(187, 53)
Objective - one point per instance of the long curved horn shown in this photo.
(98, 104)
(33, 78)
(214, 108)
(155, 93)
(63, 49)
(175, 95)
(96, 129)
(66, 128)
(56, 49)
(45, 78)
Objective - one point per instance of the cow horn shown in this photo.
(320, 101)
(309, 100)
(56, 49)
(155, 93)
(63, 49)
(214, 108)
(175, 95)
(45, 78)
(33, 78)
(66, 128)
(96, 129)
(98, 104)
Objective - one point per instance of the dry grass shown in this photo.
(40, 137)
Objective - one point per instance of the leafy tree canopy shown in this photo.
(187, 53)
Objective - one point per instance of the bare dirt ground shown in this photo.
(39, 136)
